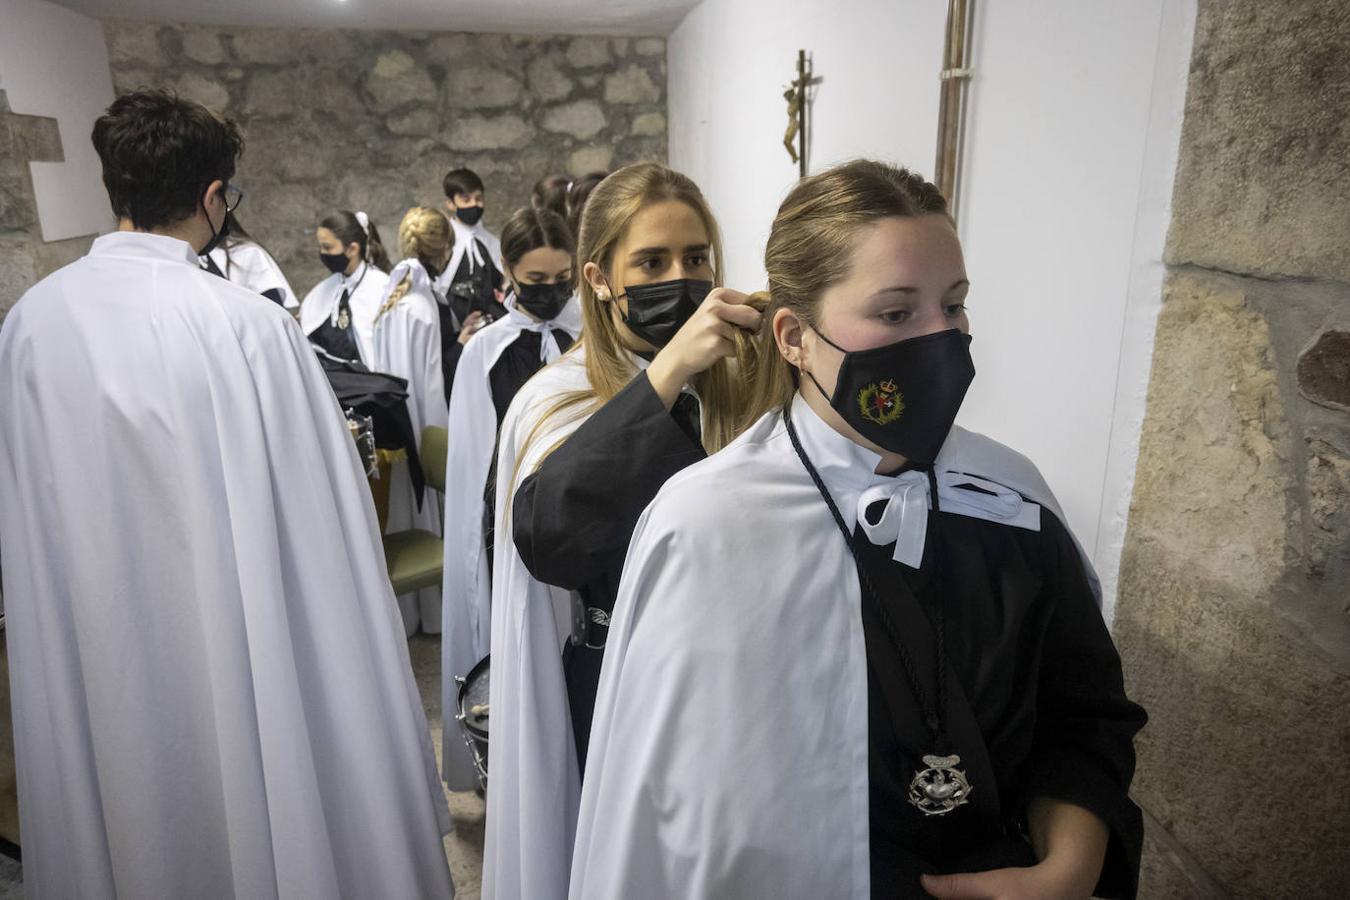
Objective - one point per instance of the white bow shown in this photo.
(904, 519)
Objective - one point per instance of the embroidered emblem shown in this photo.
(881, 403)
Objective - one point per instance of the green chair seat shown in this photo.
(414, 559)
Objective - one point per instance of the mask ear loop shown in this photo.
(824, 393)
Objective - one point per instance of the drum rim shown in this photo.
(469, 679)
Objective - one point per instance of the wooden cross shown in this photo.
(798, 100)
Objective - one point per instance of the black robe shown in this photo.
(573, 518)
(1036, 701)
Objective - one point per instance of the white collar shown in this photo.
(849, 472)
(144, 245)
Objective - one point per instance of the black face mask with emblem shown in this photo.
(904, 397)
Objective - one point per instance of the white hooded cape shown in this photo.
(466, 587)
(321, 304)
(212, 695)
(729, 750)
(534, 786)
(407, 343)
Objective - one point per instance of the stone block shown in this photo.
(1263, 178)
(653, 46)
(1241, 707)
(547, 81)
(482, 88)
(581, 119)
(631, 84)
(1327, 483)
(204, 90)
(289, 46)
(597, 158)
(133, 44)
(1324, 369)
(450, 49)
(420, 120)
(621, 46)
(502, 132)
(1214, 451)
(202, 45)
(35, 138)
(17, 212)
(648, 124)
(397, 79)
(18, 270)
(588, 52)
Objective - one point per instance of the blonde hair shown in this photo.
(810, 249)
(609, 210)
(425, 234)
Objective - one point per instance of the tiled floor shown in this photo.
(464, 846)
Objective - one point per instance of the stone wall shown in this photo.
(24, 256)
(373, 119)
(1234, 606)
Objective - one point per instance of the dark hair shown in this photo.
(160, 154)
(577, 193)
(461, 181)
(529, 229)
(550, 193)
(348, 229)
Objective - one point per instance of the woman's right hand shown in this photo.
(709, 335)
(472, 323)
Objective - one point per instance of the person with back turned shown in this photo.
(212, 694)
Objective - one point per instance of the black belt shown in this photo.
(590, 624)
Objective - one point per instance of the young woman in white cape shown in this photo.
(857, 653)
(584, 448)
(542, 322)
(338, 314)
(407, 343)
(240, 259)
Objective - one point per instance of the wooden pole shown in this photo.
(802, 81)
(951, 99)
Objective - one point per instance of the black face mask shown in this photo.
(216, 236)
(543, 301)
(656, 311)
(469, 215)
(904, 397)
(334, 262)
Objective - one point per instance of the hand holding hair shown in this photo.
(709, 335)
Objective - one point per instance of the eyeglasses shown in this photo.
(233, 197)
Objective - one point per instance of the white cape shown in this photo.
(212, 694)
(320, 305)
(466, 587)
(534, 786)
(407, 343)
(729, 751)
(248, 265)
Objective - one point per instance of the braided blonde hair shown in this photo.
(425, 234)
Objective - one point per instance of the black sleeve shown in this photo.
(573, 518)
(450, 354)
(1083, 752)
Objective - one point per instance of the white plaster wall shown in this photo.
(54, 63)
(1074, 121)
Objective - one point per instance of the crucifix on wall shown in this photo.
(798, 101)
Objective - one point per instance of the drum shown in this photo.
(362, 429)
(473, 717)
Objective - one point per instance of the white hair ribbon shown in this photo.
(365, 222)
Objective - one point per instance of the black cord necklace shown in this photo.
(941, 787)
